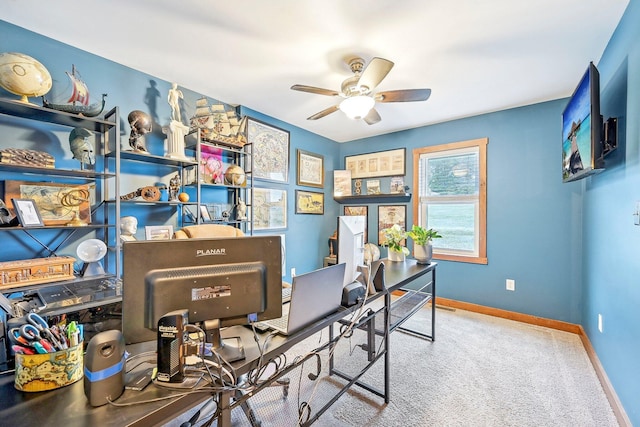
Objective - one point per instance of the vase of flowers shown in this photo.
(422, 248)
(395, 236)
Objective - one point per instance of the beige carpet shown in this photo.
(480, 371)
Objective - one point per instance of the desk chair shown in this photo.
(207, 230)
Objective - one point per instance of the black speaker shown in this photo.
(171, 351)
(104, 367)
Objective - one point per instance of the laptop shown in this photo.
(313, 296)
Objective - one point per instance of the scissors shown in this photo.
(28, 337)
(42, 327)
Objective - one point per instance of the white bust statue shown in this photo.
(128, 228)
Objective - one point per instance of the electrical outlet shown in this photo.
(293, 271)
(511, 285)
(600, 322)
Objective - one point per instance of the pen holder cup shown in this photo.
(41, 372)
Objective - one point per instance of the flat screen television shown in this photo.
(582, 147)
(231, 281)
(351, 245)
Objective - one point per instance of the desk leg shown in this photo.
(224, 419)
(386, 337)
(433, 305)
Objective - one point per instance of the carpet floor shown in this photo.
(480, 371)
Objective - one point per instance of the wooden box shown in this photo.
(25, 157)
(33, 271)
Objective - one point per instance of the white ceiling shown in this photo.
(477, 57)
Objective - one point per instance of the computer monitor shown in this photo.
(351, 245)
(222, 282)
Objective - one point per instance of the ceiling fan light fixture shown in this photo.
(357, 107)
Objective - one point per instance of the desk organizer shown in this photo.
(41, 372)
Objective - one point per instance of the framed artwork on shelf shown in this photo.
(388, 216)
(27, 213)
(58, 203)
(359, 211)
(397, 185)
(310, 169)
(341, 183)
(373, 186)
(204, 213)
(309, 202)
(381, 163)
(269, 209)
(270, 151)
(159, 232)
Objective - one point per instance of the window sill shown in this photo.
(459, 258)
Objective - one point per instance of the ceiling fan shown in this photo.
(358, 93)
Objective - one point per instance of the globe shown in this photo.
(22, 75)
(234, 175)
(371, 252)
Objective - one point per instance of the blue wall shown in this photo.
(570, 247)
(533, 230)
(611, 271)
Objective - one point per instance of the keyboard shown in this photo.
(280, 322)
(286, 295)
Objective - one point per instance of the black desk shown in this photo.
(68, 406)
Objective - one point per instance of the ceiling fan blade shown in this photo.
(375, 72)
(323, 113)
(372, 117)
(406, 95)
(316, 90)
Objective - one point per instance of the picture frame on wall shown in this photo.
(388, 216)
(270, 151)
(310, 169)
(378, 164)
(269, 209)
(309, 202)
(359, 211)
(27, 213)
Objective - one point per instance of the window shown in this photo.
(451, 180)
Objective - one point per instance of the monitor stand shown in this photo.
(230, 349)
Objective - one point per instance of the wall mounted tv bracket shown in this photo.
(610, 137)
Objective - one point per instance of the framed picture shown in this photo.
(359, 211)
(204, 213)
(27, 213)
(309, 202)
(381, 163)
(373, 186)
(310, 169)
(270, 151)
(158, 232)
(341, 183)
(269, 209)
(58, 203)
(388, 215)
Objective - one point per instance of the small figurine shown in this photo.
(241, 210)
(141, 125)
(80, 146)
(174, 188)
(174, 97)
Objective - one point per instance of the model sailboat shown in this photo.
(78, 102)
(219, 125)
